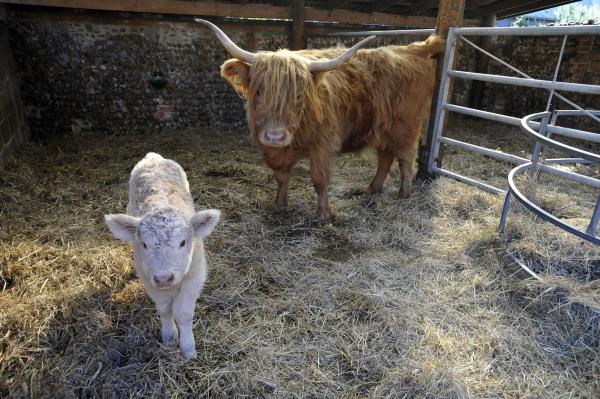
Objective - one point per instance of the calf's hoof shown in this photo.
(169, 340)
(169, 337)
(189, 354)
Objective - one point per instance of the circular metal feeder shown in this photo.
(582, 156)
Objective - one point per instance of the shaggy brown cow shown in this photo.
(316, 103)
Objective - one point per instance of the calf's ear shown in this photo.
(237, 73)
(204, 222)
(122, 226)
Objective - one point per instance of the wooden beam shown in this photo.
(451, 14)
(537, 7)
(481, 64)
(298, 16)
(474, 4)
(510, 8)
(381, 5)
(178, 7)
(333, 5)
(375, 18)
(212, 9)
(422, 6)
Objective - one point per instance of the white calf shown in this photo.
(166, 237)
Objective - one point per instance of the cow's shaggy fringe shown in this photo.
(398, 299)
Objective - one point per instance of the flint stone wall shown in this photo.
(85, 77)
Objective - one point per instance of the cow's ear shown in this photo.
(318, 76)
(237, 74)
(122, 226)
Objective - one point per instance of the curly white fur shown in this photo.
(166, 236)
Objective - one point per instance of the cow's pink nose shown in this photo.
(164, 279)
(276, 136)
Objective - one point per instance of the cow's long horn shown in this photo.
(316, 66)
(229, 45)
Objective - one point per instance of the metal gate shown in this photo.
(542, 127)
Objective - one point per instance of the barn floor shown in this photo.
(398, 298)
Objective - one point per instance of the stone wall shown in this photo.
(93, 76)
(13, 130)
(537, 58)
(83, 77)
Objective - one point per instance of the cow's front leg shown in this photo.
(283, 180)
(281, 160)
(320, 170)
(183, 308)
(168, 327)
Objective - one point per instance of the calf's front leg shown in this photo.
(183, 309)
(168, 327)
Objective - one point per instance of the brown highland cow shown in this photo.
(317, 103)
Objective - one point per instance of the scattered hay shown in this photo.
(399, 298)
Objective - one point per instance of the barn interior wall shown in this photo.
(93, 77)
(13, 130)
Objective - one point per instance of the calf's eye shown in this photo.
(182, 244)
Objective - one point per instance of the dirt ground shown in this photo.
(397, 298)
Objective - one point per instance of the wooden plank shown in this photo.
(451, 14)
(541, 5)
(375, 18)
(169, 7)
(198, 8)
(298, 17)
(508, 8)
(333, 5)
(381, 5)
(423, 6)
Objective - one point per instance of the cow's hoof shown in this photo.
(355, 193)
(374, 190)
(327, 220)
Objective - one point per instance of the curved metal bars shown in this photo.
(539, 212)
(590, 156)
(585, 157)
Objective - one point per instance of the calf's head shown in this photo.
(163, 241)
(280, 87)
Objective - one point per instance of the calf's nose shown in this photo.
(164, 279)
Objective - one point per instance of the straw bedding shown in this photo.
(398, 298)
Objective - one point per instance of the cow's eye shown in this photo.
(144, 244)
(182, 244)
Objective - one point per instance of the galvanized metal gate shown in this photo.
(540, 126)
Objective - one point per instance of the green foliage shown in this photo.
(520, 21)
(577, 14)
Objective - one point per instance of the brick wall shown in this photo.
(13, 130)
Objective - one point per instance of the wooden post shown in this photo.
(481, 64)
(450, 13)
(298, 16)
